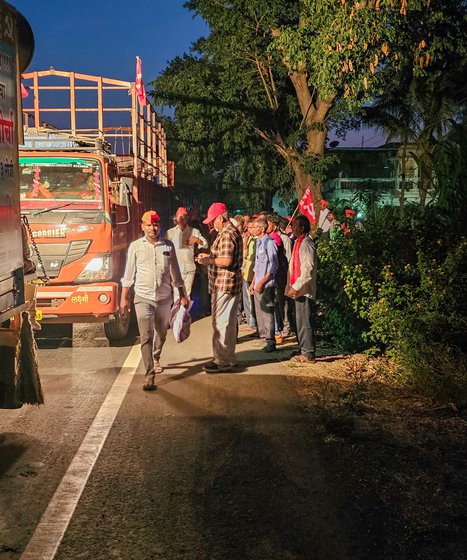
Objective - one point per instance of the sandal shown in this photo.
(301, 359)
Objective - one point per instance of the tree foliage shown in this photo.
(271, 72)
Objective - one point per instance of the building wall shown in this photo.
(373, 169)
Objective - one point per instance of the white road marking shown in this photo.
(56, 518)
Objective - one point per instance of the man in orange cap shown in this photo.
(184, 239)
(152, 268)
(225, 283)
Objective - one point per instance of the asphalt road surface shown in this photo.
(214, 466)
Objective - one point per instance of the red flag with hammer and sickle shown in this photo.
(306, 206)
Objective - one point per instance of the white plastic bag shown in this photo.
(180, 321)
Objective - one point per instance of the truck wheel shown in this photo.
(117, 328)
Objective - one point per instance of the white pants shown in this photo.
(225, 327)
(188, 279)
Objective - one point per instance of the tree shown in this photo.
(275, 70)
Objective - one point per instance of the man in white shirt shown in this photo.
(323, 223)
(184, 239)
(152, 268)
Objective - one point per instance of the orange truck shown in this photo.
(85, 181)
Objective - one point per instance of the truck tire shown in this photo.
(117, 328)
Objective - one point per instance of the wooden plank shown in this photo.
(72, 103)
(100, 106)
(37, 119)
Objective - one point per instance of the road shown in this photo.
(207, 467)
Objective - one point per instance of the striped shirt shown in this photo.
(153, 269)
(228, 244)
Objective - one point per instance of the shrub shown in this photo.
(399, 286)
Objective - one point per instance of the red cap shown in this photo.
(254, 216)
(349, 213)
(181, 212)
(150, 217)
(215, 210)
(324, 204)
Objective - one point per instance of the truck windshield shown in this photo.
(47, 182)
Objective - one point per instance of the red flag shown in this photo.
(139, 84)
(306, 206)
(24, 92)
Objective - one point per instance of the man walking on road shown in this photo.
(302, 288)
(225, 284)
(184, 239)
(152, 268)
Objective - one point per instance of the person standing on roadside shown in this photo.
(152, 268)
(263, 285)
(301, 287)
(249, 252)
(184, 238)
(225, 283)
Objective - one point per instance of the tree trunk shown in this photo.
(426, 172)
(403, 176)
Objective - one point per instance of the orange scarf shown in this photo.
(295, 268)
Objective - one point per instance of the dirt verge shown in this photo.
(398, 459)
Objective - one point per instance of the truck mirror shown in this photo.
(125, 194)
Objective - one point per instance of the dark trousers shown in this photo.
(264, 307)
(279, 309)
(305, 318)
(289, 322)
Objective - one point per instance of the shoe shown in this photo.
(149, 384)
(212, 367)
(157, 367)
(279, 339)
(269, 348)
(301, 359)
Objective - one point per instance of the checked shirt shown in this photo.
(228, 243)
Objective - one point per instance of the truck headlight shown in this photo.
(98, 268)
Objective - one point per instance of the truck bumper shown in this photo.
(84, 303)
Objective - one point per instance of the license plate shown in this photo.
(38, 315)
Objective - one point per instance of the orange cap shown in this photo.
(181, 212)
(150, 217)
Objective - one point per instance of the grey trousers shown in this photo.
(264, 307)
(305, 318)
(248, 304)
(224, 327)
(153, 323)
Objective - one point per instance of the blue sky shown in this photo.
(104, 37)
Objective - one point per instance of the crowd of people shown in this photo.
(261, 271)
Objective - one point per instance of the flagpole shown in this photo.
(293, 215)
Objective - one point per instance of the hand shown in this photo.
(184, 301)
(124, 307)
(193, 240)
(292, 293)
(251, 289)
(259, 288)
(202, 258)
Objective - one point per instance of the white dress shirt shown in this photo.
(185, 253)
(153, 269)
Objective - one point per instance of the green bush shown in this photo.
(399, 286)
